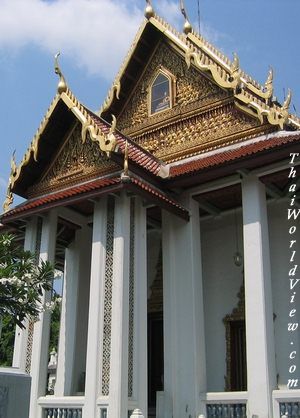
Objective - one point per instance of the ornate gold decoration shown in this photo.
(224, 80)
(187, 28)
(125, 173)
(214, 127)
(106, 142)
(74, 162)
(149, 12)
(9, 196)
(237, 314)
(268, 88)
(287, 102)
(225, 73)
(191, 91)
(62, 85)
(114, 92)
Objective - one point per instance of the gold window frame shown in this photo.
(172, 83)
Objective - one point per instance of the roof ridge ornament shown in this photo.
(62, 85)
(187, 27)
(125, 173)
(149, 11)
(287, 101)
(9, 196)
(269, 82)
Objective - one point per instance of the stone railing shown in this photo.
(226, 405)
(286, 403)
(66, 407)
(62, 412)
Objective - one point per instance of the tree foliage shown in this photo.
(22, 281)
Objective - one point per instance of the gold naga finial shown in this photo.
(9, 196)
(235, 66)
(149, 11)
(287, 102)
(125, 176)
(187, 27)
(62, 85)
(269, 83)
(13, 164)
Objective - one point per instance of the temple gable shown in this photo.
(73, 162)
(201, 114)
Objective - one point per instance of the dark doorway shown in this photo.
(155, 358)
(238, 356)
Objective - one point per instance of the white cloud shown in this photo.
(94, 33)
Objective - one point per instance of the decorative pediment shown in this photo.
(202, 80)
(75, 161)
(189, 90)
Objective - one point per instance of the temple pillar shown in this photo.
(74, 259)
(21, 335)
(118, 383)
(96, 309)
(138, 381)
(39, 362)
(261, 371)
(184, 339)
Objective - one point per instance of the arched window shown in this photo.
(160, 93)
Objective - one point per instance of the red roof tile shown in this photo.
(231, 154)
(63, 196)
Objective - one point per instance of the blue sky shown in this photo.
(94, 36)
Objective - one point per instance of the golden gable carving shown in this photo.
(190, 87)
(75, 161)
(207, 130)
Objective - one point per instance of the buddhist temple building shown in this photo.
(171, 213)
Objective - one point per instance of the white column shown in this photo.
(21, 335)
(39, 362)
(118, 387)
(184, 337)
(140, 386)
(67, 333)
(258, 300)
(95, 323)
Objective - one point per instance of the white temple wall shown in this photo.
(82, 312)
(280, 265)
(222, 280)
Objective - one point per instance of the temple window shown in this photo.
(160, 97)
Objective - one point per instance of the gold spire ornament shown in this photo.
(62, 85)
(149, 11)
(187, 27)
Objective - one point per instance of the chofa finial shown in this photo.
(149, 11)
(287, 102)
(62, 85)
(187, 27)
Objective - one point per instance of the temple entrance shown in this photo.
(155, 359)
(155, 317)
